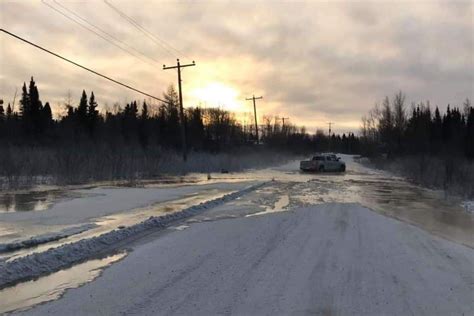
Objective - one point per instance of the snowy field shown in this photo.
(270, 241)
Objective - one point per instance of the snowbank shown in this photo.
(37, 264)
(468, 206)
(45, 238)
(102, 201)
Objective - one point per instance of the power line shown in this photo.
(80, 66)
(104, 32)
(160, 42)
(98, 34)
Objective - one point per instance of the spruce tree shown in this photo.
(35, 103)
(92, 114)
(46, 116)
(144, 114)
(470, 132)
(81, 111)
(25, 103)
(9, 112)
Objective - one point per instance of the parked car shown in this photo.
(322, 163)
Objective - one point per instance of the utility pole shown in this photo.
(14, 98)
(181, 108)
(283, 119)
(255, 113)
(330, 124)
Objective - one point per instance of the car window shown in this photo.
(318, 158)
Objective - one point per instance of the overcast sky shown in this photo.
(313, 61)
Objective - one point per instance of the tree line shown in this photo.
(207, 129)
(395, 129)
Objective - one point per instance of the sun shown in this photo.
(216, 94)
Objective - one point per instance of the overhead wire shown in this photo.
(81, 66)
(104, 32)
(96, 33)
(157, 40)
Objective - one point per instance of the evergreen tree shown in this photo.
(81, 111)
(46, 116)
(437, 127)
(143, 128)
(35, 103)
(92, 114)
(25, 103)
(144, 114)
(9, 112)
(469, 138)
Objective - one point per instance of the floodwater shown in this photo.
(25, 201)
(51, 287)
(286, 190)
(116, 221)
(380, 191)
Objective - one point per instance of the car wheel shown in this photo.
(321, 169)
(343, 168)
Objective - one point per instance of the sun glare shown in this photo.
(216, 94)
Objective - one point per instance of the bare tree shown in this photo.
(399, 114)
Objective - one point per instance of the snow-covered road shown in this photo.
(332, 259)
(360, 243)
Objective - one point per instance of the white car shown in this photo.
(322, 163)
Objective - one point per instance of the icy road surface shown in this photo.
(364, 243)
(332, 259)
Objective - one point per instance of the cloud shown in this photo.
(313, 61)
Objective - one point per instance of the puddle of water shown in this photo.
(26, 201)
(51, 287)
(280, 205)
(180, 227)
(425, 208)
(108, 223)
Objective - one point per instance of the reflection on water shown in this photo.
(32, 200)
(107, 223)
(394, 197)
(51, 287)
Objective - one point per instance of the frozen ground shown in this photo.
(40, 263)
(332, 259)
(363, 243)
(89, 212)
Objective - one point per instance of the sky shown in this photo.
(313, 62)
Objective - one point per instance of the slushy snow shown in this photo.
(44, 238)
(37, 264)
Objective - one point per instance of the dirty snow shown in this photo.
(468, 206)
(330, 259)
(44, 238)
(37, 264)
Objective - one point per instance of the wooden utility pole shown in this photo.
(255, 113)
(181, 108)
(330, 124)
(14, 98)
